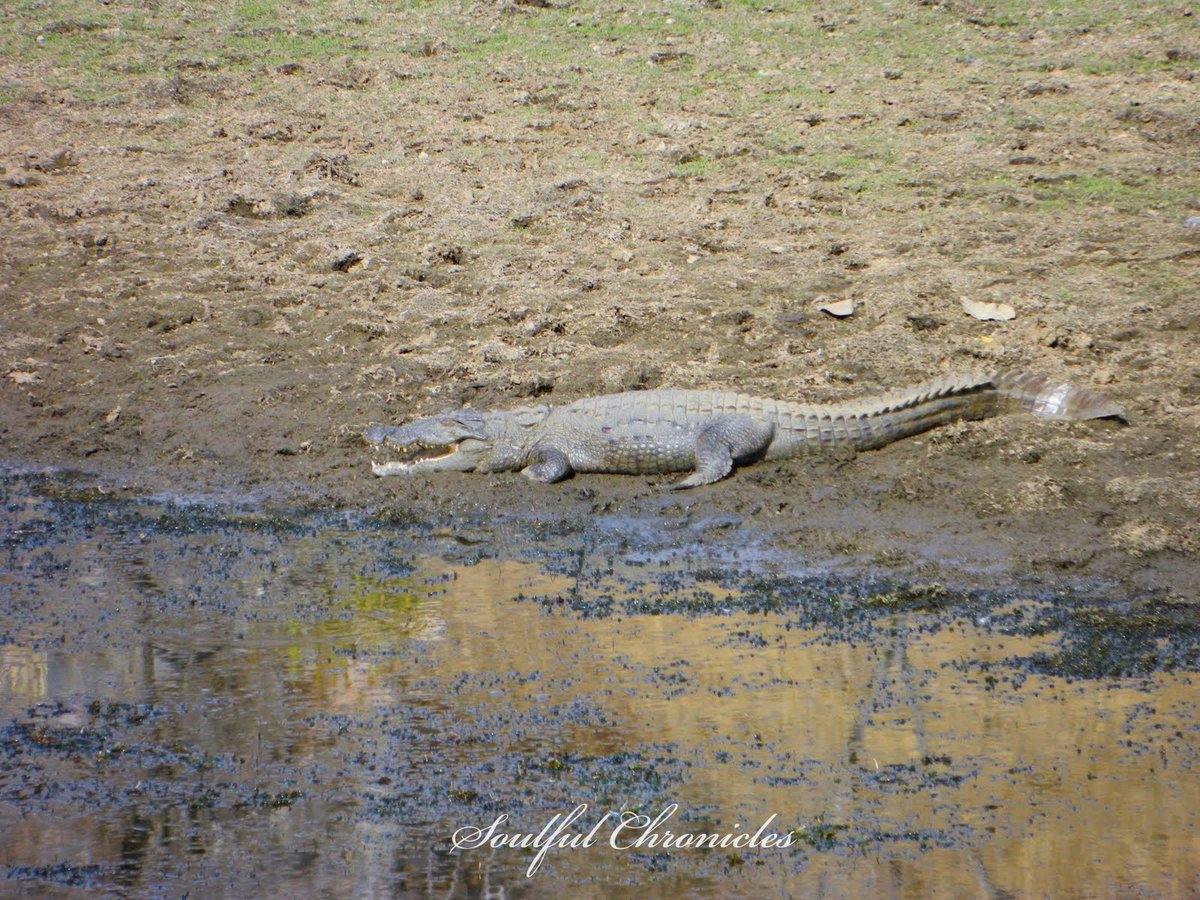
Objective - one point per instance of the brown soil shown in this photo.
(214, 275)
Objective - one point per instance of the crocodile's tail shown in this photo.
(1046, 396)
(875, 422)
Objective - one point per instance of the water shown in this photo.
(207, 699)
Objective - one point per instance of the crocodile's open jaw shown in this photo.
(418, 457)
(419, 451)
(413, 456)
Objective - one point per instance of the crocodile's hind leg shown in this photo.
(552, 465)
(721, 441)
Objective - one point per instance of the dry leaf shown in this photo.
(112, 416)
(18, 377)
(838, 308)
(988, 312)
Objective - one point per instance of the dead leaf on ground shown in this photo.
(18, 377)
(839, 309)
(988, 312)
(112, 416)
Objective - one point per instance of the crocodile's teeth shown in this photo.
(419, 451)
(389, 468)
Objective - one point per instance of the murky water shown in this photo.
(205, 699)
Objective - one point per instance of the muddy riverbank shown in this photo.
(220, 264)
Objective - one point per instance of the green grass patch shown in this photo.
(252, 50)
(255, 12)
(1104, 190)
(699, 167)
(1131, 64)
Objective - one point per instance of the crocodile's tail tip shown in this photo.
(1051, 398)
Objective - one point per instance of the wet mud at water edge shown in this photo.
(200, 696)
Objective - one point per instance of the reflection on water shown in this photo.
(239, 711)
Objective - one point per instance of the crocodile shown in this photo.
(707, 432)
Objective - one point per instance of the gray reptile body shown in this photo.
(708, 432)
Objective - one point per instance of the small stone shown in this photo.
(988, 312)
(839, 309)
(447, 253)
(923, 322)
(1050, 86)
(56, 162)
(347, 261)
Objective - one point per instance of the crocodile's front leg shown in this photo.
(721, 441)
(552, 465)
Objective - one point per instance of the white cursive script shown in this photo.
(554, 834)
(651, 836)
(631, 831)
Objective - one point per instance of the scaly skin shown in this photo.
(707, 432)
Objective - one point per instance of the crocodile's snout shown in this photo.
(414, 451)
(376, 434)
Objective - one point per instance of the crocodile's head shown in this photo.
(456, 441)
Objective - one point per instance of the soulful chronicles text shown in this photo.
(621, 831)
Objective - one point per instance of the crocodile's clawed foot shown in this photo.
(673, 486)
